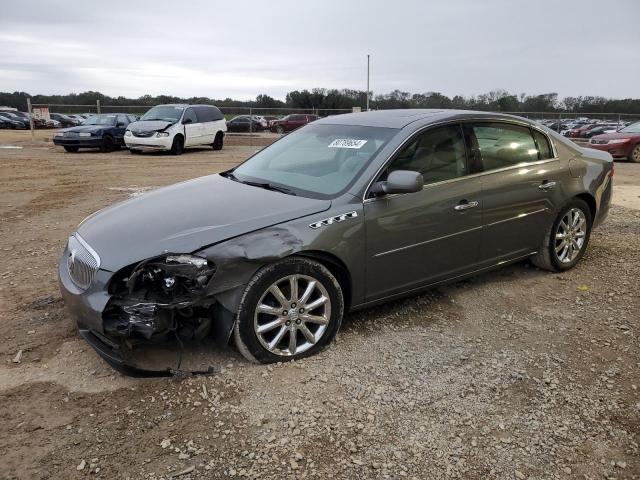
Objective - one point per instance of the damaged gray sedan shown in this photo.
(344, 213)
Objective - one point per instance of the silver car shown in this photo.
(346, 212)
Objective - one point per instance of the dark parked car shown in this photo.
(291, 122)
(625, 143)
(65, 120)
(15, 121)
(11, 120)
(105, 132)
(344, 213)
(244, 123)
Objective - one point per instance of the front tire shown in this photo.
(279, 129)
(177, 147)
(567, 239)
(218, 141)
(291, 309)
(634, 155)
(71, 149)
(107, 145)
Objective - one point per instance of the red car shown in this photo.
(579, 132)
(625, 143)
(291, 122)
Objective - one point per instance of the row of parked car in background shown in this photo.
(15, 119)
(169, 128)
(258, 123)
(619, 138)
(178, 126)
(583, 127)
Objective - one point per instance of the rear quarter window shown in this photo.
(544, 147)
(207, 113)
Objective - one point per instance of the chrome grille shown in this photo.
(142, 133)
(82, 262)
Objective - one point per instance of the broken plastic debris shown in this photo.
(18, 357)
(190, 259)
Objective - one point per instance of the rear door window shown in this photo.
(205, 114)
(504, 145)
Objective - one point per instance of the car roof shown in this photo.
(185, 105)
(404, 117)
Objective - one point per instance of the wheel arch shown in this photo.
(337, 268)
(591, 202)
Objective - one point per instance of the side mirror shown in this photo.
(187, 120)
(399, 181)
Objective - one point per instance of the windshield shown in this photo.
(167, 113)
(317, 160)
(633, 128)
(100, 120)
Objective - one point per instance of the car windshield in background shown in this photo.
(100, 120)
(633, 128)
(317, 160)
(164, 113)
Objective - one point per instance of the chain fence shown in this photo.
(555, 120)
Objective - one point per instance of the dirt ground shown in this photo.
(515, 374)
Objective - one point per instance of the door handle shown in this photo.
(547, 185)
(464, 205)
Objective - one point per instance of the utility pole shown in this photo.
(368, 82)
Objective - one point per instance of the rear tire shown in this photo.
(634, 155)
(302, 322)
(177, 147)
(71, 149)
(218, 142)
(556, 256)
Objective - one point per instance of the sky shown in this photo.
(243, 48)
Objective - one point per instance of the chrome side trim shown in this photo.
(331, 220)
(473, 175)
(406, 247)
(517, 217)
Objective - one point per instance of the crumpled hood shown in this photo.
(185, 217)
(149, 125)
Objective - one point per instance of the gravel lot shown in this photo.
(514, 374)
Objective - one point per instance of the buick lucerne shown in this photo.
(346, 212)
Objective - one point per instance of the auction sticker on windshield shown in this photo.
(347, 143)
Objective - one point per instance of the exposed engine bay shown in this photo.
(159, 298)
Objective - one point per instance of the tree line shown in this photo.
(333, 99)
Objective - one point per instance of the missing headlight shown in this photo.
(160, 296)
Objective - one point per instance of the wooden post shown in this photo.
(33, 135)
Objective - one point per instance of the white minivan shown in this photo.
(175, 127)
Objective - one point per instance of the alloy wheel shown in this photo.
(570, 235)
(635, 154)
(292, 315)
